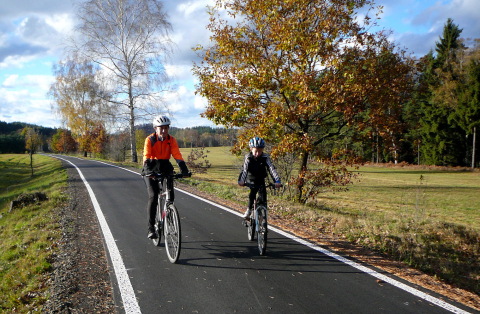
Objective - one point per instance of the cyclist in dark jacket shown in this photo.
(255, 169)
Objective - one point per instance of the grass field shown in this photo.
(27, 234)
(449, 196)
(452, 197)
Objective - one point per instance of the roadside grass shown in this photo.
(428, 219)
(27, 234)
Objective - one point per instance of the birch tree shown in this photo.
(78, 98)
(130, 41)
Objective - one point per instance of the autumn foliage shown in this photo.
(63, 142)
(302, 74)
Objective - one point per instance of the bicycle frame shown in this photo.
(167, 219)
(163, 185)
(255, 210)
(261, 225)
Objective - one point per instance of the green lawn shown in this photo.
(452, 197)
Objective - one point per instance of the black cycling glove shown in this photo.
(183, 167)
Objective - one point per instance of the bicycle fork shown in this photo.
(256, 219)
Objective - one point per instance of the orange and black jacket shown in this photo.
(159, 153)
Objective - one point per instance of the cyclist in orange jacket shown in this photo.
(158, 149)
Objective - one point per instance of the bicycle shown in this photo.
(167, 219)
(258, 221)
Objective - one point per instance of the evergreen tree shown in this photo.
(448, 44)
(443, 142)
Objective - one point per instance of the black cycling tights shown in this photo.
(153, 190)
(262, 196)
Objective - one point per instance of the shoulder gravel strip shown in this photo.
(80, 281)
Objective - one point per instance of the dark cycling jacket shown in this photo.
(255, 170)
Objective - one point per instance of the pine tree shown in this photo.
(448, 44)
(443, 141)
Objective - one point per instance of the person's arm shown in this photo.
(243, 173)
(177, 155)
(147, 150)
(273, 172)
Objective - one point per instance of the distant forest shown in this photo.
(115, 146)
(198, 136)
(12, 141)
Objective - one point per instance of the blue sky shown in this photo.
(32, 33)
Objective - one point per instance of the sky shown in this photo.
(33, 33)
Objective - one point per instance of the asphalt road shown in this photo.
(220, 271)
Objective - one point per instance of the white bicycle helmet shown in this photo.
(161, 120)
(256, 142)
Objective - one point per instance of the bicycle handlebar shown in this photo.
(157, 176)
(254, 186)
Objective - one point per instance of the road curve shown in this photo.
(220, 271)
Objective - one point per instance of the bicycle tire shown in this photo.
(172, 233)
(158, 223)
(262, 230)
(251, 228)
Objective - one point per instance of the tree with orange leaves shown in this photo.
(300, 73)
(63, 142)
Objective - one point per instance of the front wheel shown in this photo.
(262, 230)
(158, 225)
(251, 228)
(172, 234)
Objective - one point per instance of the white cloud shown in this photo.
(200, 102)
(186, 107)
(15, 97)
(10, 81)
(45, 31)
(192, 6)
(427, 24)
(62, 23)
(24, 106)
(16, 61)
(41, 82)
(180, 72)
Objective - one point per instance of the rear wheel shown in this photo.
(262, 230)
(172, 234)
